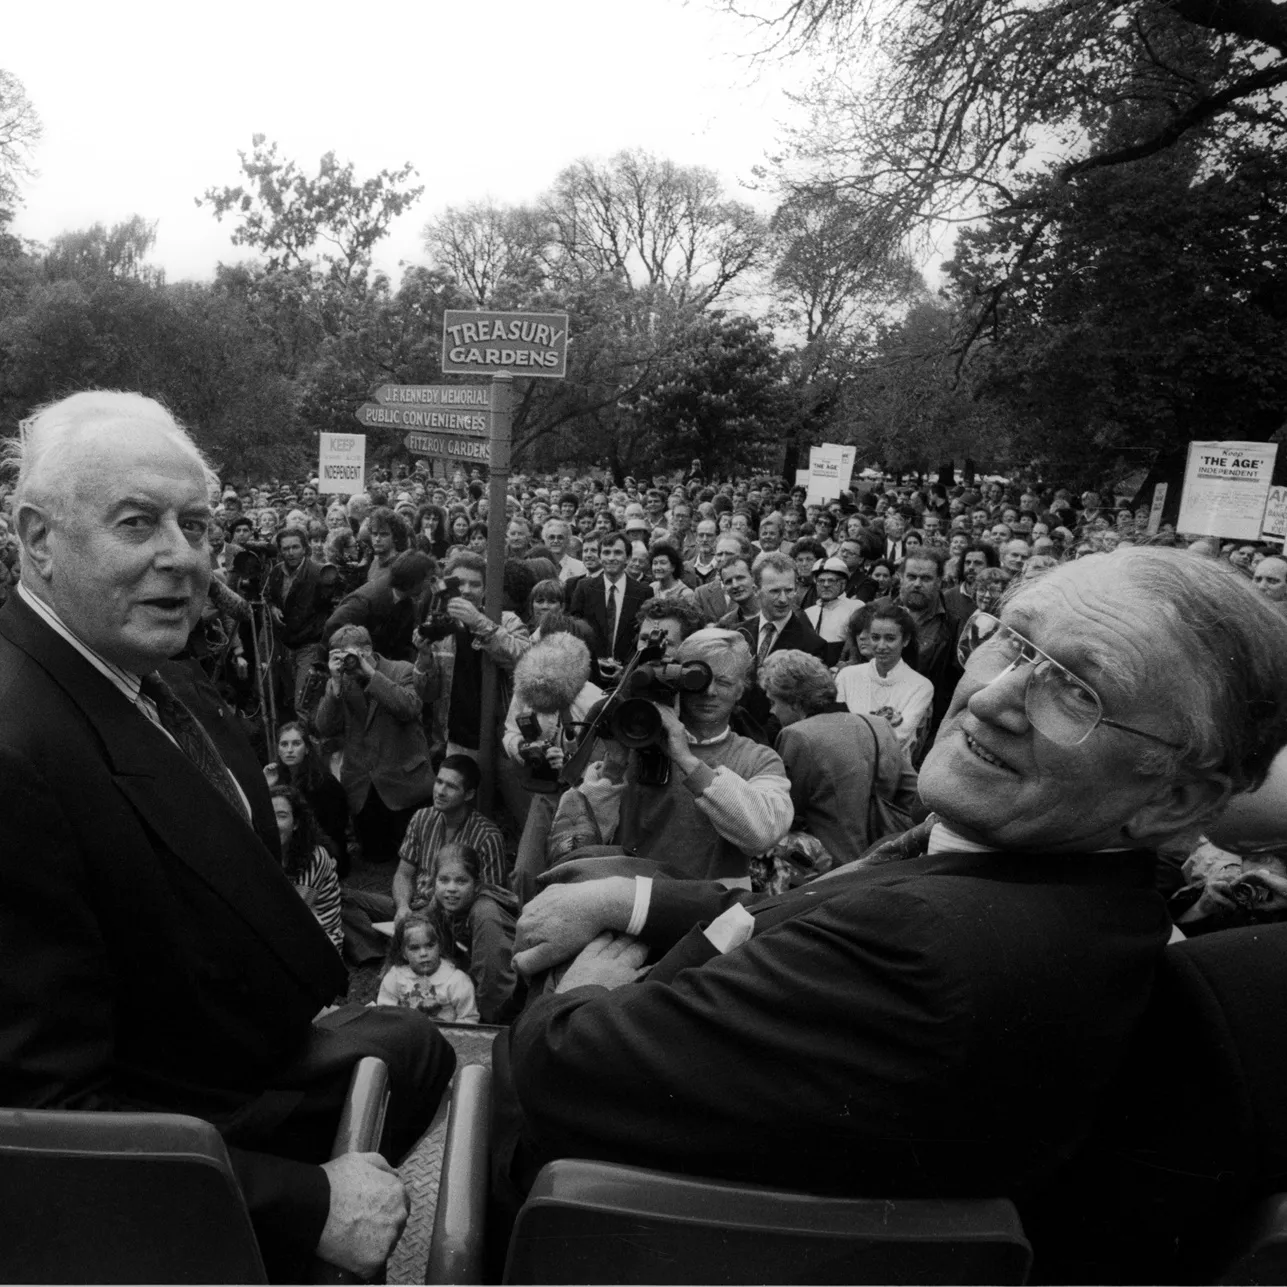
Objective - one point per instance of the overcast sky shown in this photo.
(145, 105)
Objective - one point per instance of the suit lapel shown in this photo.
(171, 796)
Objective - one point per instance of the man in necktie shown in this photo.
(122, 826)
(778, 625)
(609, 603)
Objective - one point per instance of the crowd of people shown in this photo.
(710, 694)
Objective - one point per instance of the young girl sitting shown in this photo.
(475, 924)
(419, 978)
(308, 865)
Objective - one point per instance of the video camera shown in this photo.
(630, 715)
(438, 623)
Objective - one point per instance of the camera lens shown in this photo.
(636, 723)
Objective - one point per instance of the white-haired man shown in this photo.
(945, 1025)
(123, 827)
(555, 534)
(727, 797)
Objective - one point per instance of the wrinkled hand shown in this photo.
(554, 756)
(1276, 903)
(367, 1213)
(609, 961)
(562, 919)
(464, 613)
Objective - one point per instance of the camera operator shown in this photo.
(299, 599)
(727, 797)
(375, 703)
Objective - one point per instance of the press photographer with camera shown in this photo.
(450, 643)
(299, 594)
(718, 798)
(375, 703)
(553, 701)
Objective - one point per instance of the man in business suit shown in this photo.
(156, 955)
(943, 1025)
(776, 626)
(609, 603)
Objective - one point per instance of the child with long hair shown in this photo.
(420, 978)
(475, 924)
(306, 862)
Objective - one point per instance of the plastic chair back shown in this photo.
(586, 1222)
(120, 1198)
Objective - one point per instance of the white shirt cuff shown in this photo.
(730, 928)
(643, 900)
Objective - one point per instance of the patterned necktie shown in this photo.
(612, 616)
(767, 634)
(191, 738)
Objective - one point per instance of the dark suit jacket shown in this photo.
(388, 623)
(155, 955)
(797, 633)
(942, 1026)
(305, 607)
(589, 602)
(710, 600)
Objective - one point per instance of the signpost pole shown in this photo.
(497, 516)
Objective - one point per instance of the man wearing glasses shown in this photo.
(944, 1023)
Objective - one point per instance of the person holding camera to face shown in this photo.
(450, 644)
(375, 704)
(718, 799)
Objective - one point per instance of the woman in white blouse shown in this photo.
(886, 685)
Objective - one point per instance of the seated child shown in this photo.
(475, 924)
(419, 979)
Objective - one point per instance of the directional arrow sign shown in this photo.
(466, 450)
(453, 397)
(472, 423)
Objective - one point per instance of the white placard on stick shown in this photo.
(1226, 487)
(341, 465)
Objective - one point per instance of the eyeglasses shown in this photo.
(1059, 706)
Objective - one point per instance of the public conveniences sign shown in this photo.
(478, 342)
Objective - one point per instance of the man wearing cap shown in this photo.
(830, 613)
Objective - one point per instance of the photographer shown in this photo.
(449, 647)
(553, 697)
(375, 703)
(387, 608)
(727, 797)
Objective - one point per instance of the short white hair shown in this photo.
(61, 431)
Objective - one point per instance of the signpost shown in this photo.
(481, 342)
(473, 451)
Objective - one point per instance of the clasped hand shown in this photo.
(608, 961)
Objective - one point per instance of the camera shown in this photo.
(1249, 893)
(352, 662)
(437, 623)
(635, 721)
(538, 773)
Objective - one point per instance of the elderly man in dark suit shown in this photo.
(947, 1024)
(156, 956)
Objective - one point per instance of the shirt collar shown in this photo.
(707, 741)
(124, 680)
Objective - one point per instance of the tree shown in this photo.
(296, 220)
(20, 131)
(487, 247)
(965, 109)
(1152, 309)
(654, 224)
(96, 254)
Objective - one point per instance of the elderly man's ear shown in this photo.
(34, 530)
(1177, 807)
